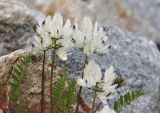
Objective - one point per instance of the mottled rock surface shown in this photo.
(30, 88)
(148, 12)
(17, 25)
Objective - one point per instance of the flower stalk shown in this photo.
(80, 89)
(98, 107)
(51, 80)
(94, 99)
(43, 82)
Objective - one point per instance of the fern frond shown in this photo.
(21, 110)
(70, 95)
(62, 96)
(17, 76)
(58, 90)
(126, 99)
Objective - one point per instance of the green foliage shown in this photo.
(58, 90)
(70, 95)
(127, 99)
(120, 81)
(63, 95)
(49, 13)
(21, 110)
(17, 76)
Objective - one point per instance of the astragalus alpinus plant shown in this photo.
(59, 36)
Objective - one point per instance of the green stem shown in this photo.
(51, 80)
(80, 89)
(100, 104)
(98, 107)
(43, 80)
(94, 99)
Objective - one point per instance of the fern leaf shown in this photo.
(64, 97)
(14, 85)
(17, 76)
(126, 99)
(58, 90)
(14, 96)
(70, 95)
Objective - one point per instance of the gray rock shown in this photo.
(30, 88)
(148, 11)
(137, 59)
(17, 25)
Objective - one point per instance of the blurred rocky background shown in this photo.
(18, 19)
(138, 16)
(133, 28)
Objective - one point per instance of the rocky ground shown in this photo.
(135, 57)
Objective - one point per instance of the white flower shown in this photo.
(43, 42)
(90, 38)
(62, 53)
(108, 88)
(37, 44)
(54, 34)
(56, 27)
(92, 75)
(106, 109)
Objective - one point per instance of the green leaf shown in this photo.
(20, 67)
(17, 72)
(116, 106)
(70, 95)
(133, 95)
(121, 100)
(21, 110)
(17, 76)
(119, 81)
(14, 85)
(64, 97)
(58, 90)
(14, 96)
(126, 99)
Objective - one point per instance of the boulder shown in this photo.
(17, 25)
(148, 12)
(30, 88)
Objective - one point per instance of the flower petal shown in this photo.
(62, 53)
(109, 75)
(81, 82)
(92, 73)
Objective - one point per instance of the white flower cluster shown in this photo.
(93, 79)
(90, 38)
(56, 34)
